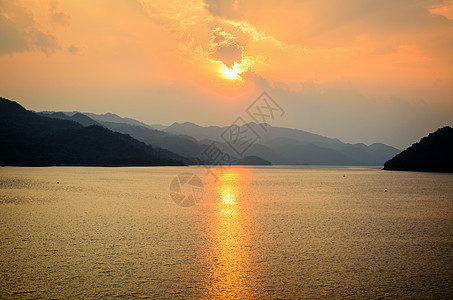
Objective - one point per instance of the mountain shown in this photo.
(109, 117)
(432, 153)
(97, 118)
(275, 145)
(198, 132)
(158, 126)
(183, 145)
(253, 161)
(76, 117)
(31, 139)
(285, 146)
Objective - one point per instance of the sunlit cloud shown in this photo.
(22, 31)
(206, 31)
(444, 9)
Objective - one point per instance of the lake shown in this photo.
(251, 233)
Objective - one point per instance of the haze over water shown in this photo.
(257, 232)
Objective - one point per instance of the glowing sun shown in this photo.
(231, 73)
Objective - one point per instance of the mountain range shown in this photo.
(29, 139)
(285, 146)
(275, 145)
(179, 143)
(87, 139)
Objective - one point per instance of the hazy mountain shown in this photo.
(266, 135)
(180, 144)
(253, 161)
(183, 145)
(277, 145)
(431, 153)
(158, 126)
(200, 133)
(76, 117)
(291, 146)
(109, 117)
(30, 139)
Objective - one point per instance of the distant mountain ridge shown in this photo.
(77, 117)
(113, 118)
(276, 145)
(30, 139)
(432, 153)
(285, 146)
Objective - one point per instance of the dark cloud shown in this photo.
(61, 18)
(58, 17)
(73, 49)
(223, 8)
(18, 32)
(224, 47)
(12, 37)
(229, 54)
(45, 42)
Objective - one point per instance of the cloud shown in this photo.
(73, 49)
(211, 31)
(19, 33)
(12, 33)
(47, 43)
(61, 18)
(58, 17)
(398, 46)
(223, 8)
(224, 47)
(444, 9)
(229, 54)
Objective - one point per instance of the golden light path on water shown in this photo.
(230, 253)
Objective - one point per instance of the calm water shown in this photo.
(264, 232)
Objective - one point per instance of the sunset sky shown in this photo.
(358, 70)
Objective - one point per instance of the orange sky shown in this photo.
(359, 70)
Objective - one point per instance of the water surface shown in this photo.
(260, 232)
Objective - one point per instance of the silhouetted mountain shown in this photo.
(179, 144)
(253, 161)
(276, 145)
(182, 145)
(31, 139)
(77, 117)
(269, 134)
(200, 133)
(284, 146)
(432, 153)
(109, 117)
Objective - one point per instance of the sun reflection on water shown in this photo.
(230, 253)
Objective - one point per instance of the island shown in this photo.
(433, 153)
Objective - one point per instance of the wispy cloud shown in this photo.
(19, 32)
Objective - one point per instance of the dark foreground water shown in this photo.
(256, 233)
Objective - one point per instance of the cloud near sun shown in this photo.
(209, 32)
(293, 41)
(366, 42)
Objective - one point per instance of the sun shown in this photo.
(231, 73)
